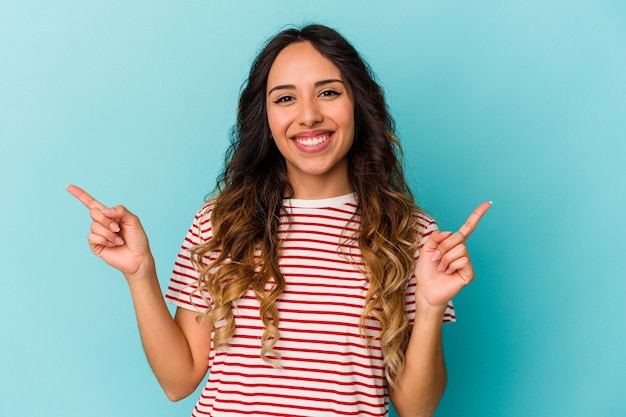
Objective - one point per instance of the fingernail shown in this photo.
(118, 240)
(441, 267)
(114, 227)
(436, 255)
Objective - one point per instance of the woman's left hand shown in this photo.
(444, 266)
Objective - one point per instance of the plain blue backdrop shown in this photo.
(519, 102)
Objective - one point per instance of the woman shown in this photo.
(311, 284)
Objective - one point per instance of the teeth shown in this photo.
(313, 141)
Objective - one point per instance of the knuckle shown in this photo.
(447, 259)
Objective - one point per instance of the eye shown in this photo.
(284, 99)
(329, 93)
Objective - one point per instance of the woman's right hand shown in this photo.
(117, 236)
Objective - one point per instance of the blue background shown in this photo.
(519, 102)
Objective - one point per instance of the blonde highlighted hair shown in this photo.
(254, 182)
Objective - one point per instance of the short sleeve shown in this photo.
(182, 290)
(427, 227)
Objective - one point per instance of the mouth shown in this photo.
(313, 141)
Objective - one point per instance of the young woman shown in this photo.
(311, 284)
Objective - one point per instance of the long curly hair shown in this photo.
(249, 199)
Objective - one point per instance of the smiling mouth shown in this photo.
(313, 141)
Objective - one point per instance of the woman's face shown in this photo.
(310, 110)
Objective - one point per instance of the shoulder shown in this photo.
(201, 228)
(424, 220)
(205, 212)
(425, 224)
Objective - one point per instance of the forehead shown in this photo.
(301, 62)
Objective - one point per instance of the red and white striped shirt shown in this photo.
(327, 369)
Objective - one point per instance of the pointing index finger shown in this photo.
(84, 198)
(472, 221)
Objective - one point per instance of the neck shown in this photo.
(317, 190)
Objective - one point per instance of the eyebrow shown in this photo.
(317, 84)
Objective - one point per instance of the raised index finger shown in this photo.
(472, 221)
(84, 198)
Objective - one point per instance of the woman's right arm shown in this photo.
(177, 348)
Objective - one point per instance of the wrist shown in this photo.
(425, 311)
(145, 272)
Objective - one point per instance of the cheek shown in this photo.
(347, 122)
(278, 121)
(344, 115)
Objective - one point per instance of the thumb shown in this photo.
(434, 240)
(121, 214)
(129, 224)
(131, 229)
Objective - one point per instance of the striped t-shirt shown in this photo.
(327, 369)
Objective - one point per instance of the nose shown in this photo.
(310, 113)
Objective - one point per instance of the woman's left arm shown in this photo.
(442, 270)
